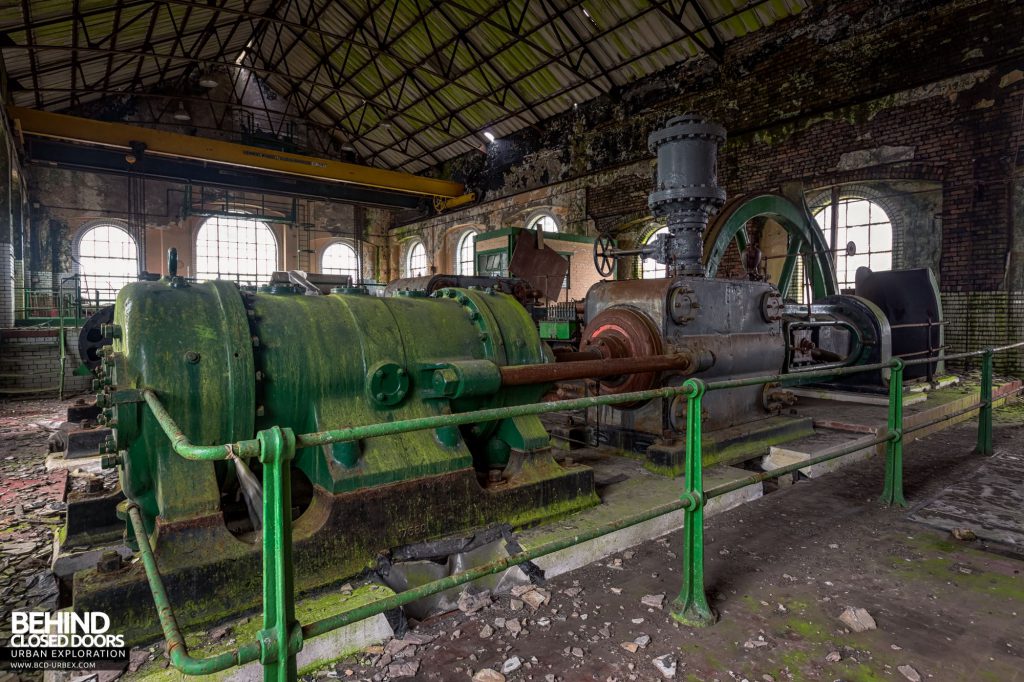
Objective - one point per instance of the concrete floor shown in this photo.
(779, 571)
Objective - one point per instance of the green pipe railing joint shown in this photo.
(281, 636)
(892, 490)
(691, 606)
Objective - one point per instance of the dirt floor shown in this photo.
(779, 572)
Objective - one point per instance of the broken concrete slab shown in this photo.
(822, 443)
(641, 491)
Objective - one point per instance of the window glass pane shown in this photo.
(416, 262)
(857, 213)
(466, 254)
(340, 259)
(824, 220)
(108, 258)
(859, 235)
(880, 261)
(867, 226)
(650, 268)
(238, 249)
(545, 223)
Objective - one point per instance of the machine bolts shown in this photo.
(446, 381)
(259, 375)
(473, 315)
(109, 562)
(191, 357)
(260, 411)
(380, 397)
(111, 331)
(401, 371)
(255, 342)
(111, 461)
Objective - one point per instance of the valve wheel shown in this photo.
(604, 260)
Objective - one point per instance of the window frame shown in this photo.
(409, 251)
(84, 231)
(356, 262)
(531, 223)
(845, 278)
(642, 262)
(464, 236)
(240, 278)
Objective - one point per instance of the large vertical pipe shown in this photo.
(686, 189)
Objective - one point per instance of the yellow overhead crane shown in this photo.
(445, 193)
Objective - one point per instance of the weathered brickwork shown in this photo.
(30, 362)
(918, 102)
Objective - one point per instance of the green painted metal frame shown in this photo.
(805, 239)
(282, 636)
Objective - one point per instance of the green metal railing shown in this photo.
(282, 636)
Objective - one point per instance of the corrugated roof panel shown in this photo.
(478, 64)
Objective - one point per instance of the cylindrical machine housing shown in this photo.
(686, 189)
(227, 363)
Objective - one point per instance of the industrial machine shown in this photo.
(735, 328)
(227, 363)
(222, 364)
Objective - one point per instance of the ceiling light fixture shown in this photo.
(207, 80)
(181, 114)
(489, 135)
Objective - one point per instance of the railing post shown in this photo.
(281, 636)
(892, 493)
(691, 606)
(985, 412)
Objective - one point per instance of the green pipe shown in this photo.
(184, 447)
(892, 490)
(339, 620)
(968, 354)
(939, 420)
(775, 473)
(391, 428)
(177, 650)
(798, 376)
(250, 448)
(691, 606)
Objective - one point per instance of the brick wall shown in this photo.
(903, 94)
(30, 362)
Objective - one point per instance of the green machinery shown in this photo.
(227, 363)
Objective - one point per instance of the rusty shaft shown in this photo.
(571, 368)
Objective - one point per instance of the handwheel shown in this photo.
(604, 260)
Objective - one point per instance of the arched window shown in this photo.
(108, 258)
(239, 249)
(650, 268)
(340, 259)
(544, 222)
(866, 225)
(465, 254)
(416, 260)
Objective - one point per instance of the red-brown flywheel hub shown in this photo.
(621, 332)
